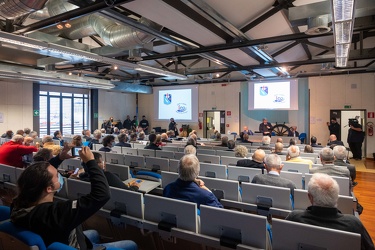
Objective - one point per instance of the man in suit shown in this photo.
(152, 143)
(187, 187)
(293, 132)
(273, 166)
(122, 138)
(327, 158)
(333, 141)
(265, 127)
(255, 162)
(314, 144)
(323, 193)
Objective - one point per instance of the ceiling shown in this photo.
(134, 45)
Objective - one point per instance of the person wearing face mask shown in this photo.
(35, 209)
(12, 151)
(108, 143)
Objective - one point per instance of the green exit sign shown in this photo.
(347, 106)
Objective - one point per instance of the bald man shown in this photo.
(255, 162)
(333, 141)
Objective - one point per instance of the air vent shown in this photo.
(318, 25)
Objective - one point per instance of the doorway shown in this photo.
(343, 117)
(213, 120)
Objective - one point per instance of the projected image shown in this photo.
(272, 95)
(175, 103)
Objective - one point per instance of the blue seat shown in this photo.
(14, 237)
(302, 137)
(4, 213)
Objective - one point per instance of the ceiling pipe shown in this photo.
(11, 9)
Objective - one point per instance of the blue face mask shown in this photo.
(61, 181)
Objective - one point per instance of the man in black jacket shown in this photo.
(35, 209)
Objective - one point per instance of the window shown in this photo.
(66, 112)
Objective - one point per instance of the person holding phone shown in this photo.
(35, 209)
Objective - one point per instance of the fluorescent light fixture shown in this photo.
(343, 22)
(156, 71)
(22, 41)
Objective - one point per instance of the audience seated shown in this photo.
(141, 136)
(231, 145)
(247, 131)
(279, 148)
(187, 187)
(113, 179)
(165, 138)
(152, 143)
(313, 143)
(108, 143)
(122, 138)
(77, 141)
(293, 131)
(190, 149)
(255, 162)
(266, 141)
(87, 135)
(273, 166)
(48, 143)
(245, 139)
(27, 132)
(333, 141)
(293, 156)
(35, 209)
(8, 134)
(308, 149)
(57, 136)
(327, 157)
(133, 137)
(340, 153)
(323, 193)
(12, 151)
(218, 137)
(224, 141)
(97, 138)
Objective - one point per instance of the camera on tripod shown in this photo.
(352, 122)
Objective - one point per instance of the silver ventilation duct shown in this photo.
(113, 34)
(318, 25)
(12, 9)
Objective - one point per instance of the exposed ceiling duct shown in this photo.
(113, 34)
(12, 9)
(318, 25)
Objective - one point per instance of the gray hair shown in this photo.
(122, 138)
(17, 138)
(293, 151)
(97, 133)
(266, 140)
(190, 149)
(327, 155)
(188, 167)
(240, 151)
(339, 152)
(47, 138)
(324, 190)
(278, 146)
(231, 144)
(273, 161)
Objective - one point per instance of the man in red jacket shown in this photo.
(12, 151)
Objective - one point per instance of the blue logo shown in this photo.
(263, 90)
(167, 99)
(279, 99)
(181, 108)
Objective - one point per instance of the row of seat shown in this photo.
(174, 218)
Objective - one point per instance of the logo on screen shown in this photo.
(181, 108)
(279, 99)
(167, 99)
(263, 90)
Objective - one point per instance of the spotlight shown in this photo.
(115, 67)
(67, 25)
(217, 75)
(60, 26)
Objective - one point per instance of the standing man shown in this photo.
(127, 123)
(355, 139)
(144, 124)
(173, 126)
(334, 128)
(134, 124)
(265, 127)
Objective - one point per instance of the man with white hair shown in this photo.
(48, 143)
(293, 156)
(12, 151)
(323, 193)
(340, 153)
(327, 158)
(187, 187)
(266, 141)
(273, 166)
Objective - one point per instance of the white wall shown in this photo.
(115, 104)
(334, 92)
(16, 105)
(219, 96)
